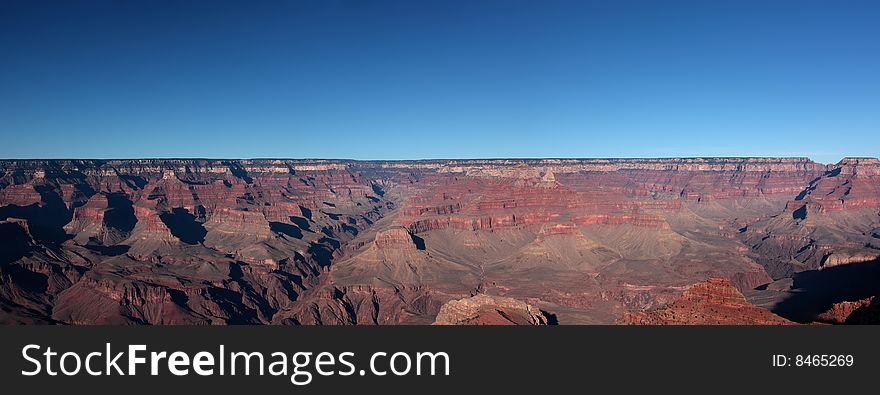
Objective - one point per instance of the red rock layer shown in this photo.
(19, 195)
(838, 313)
(853, 184)
(713, 302)
(395, 238)
(89, 216)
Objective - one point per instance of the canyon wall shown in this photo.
(204, 241)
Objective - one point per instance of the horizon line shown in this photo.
(433, 159)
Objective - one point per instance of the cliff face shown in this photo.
(830, 222)
(167, 241)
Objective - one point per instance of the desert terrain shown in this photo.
(495, 241)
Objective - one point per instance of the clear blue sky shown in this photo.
(439, 79)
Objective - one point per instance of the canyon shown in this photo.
(483, 241)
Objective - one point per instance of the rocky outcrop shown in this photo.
(149, 223)
(88, 219)
(19, 195)
(243, 225)
(847, 257)
(854, 183)
(364, 305)
(867, 314)
(482, 309)
(840, 312)
(396, 237)
(713, 302)
(858, 166)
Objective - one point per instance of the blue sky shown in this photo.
(439, 79)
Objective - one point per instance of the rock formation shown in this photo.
(713, 302)
(395, 238)
(483, 309)
(160, 241)
(840, 312)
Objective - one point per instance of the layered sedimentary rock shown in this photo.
(713, 302)
(829, 222)
(383, 242)
(174, 241)
(395, 238)
(88, 219)
(840, 312)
